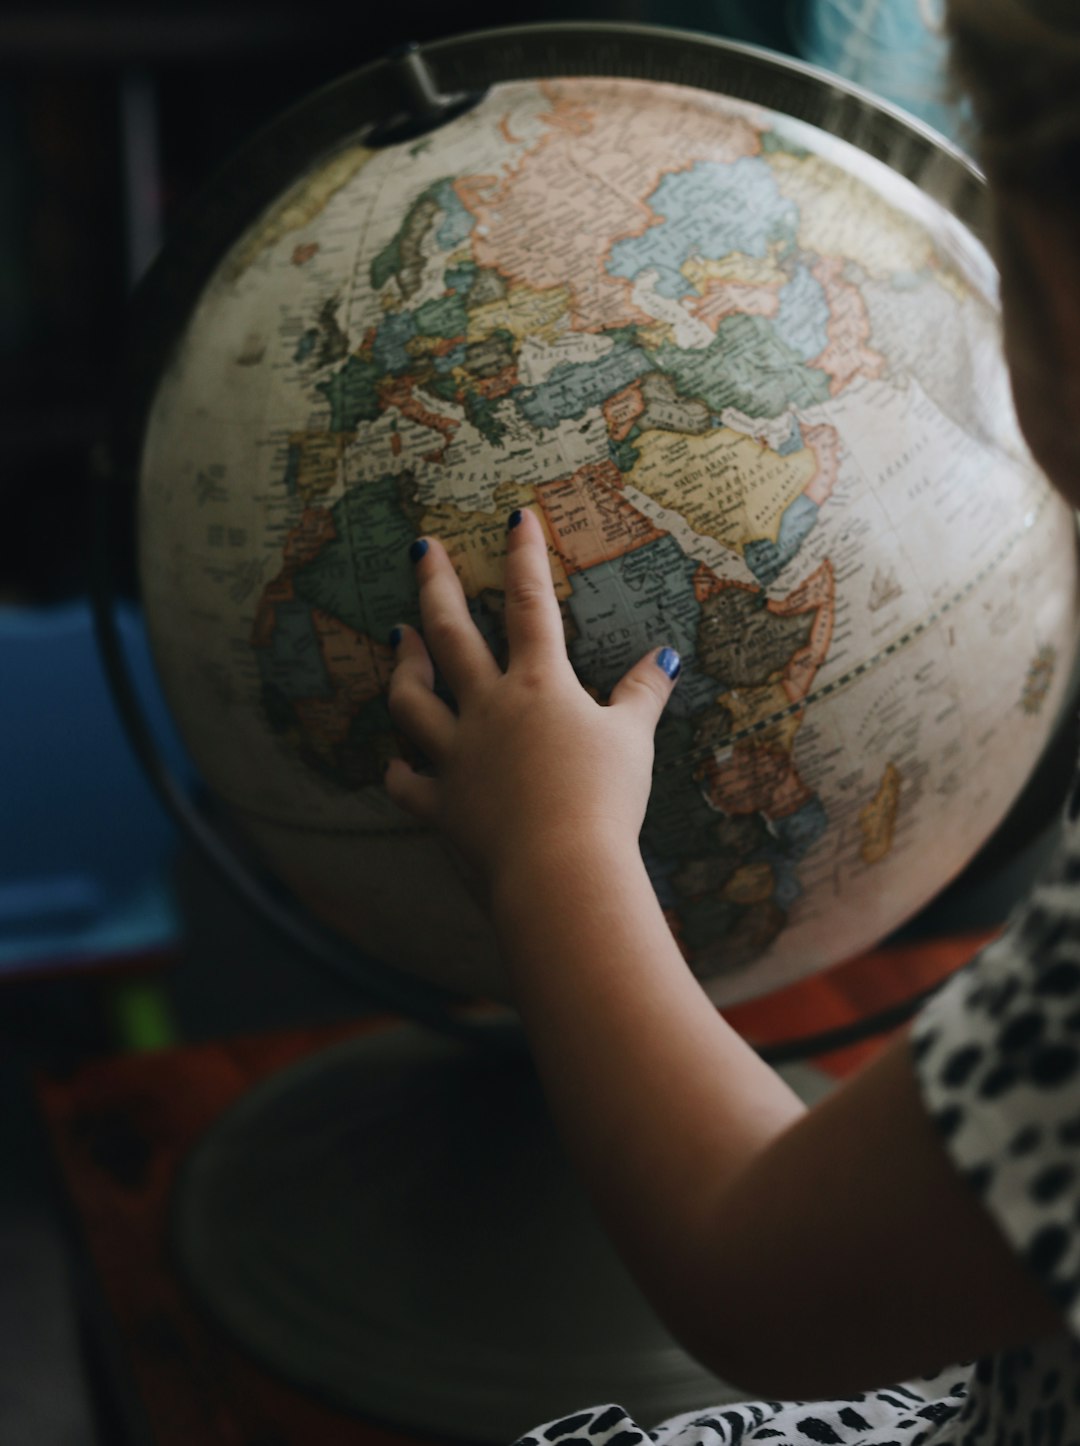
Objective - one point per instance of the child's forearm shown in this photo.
(659, 1101)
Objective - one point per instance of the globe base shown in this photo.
(391, 1226)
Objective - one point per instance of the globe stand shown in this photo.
(391, 1226)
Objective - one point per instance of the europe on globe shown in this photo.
(750, 382)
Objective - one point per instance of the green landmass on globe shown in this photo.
(749, 382)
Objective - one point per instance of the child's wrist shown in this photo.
(543, 872)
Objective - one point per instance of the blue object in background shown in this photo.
(758, 22)
(85, 845)
(895, 48)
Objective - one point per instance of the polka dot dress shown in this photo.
(997, 1058)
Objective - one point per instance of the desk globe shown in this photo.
(718, 322)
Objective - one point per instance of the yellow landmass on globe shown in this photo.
(421, 346)
(734, 269)
(659, 334)
(878, 819)
(476, 541)
(524, 312)
(298, 207)
(747, 706)
(751, 884)
(725, 484)
(1039, 677)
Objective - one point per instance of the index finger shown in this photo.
(452, 637)
(534, 625)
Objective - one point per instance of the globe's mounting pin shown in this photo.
(419, 82)
(425, 107)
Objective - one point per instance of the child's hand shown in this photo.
(530, 760)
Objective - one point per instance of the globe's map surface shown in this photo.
(750, 382)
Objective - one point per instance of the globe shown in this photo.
(749, 379)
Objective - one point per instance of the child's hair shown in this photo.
(1019, 60)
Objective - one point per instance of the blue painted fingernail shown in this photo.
(514, 519)
(669, 660)
(417, 550)
(396, 636)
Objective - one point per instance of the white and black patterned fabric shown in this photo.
(997, 1058)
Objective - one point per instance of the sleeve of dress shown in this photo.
(997, 1058)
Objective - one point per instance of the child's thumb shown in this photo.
(648, 685)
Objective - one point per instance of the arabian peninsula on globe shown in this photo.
(749, 380)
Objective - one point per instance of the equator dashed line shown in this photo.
(861, 669)
(827, 690)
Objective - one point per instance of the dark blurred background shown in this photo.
(111, 115)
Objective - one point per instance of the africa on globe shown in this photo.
(748, 379)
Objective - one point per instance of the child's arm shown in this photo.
(797, 1254)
